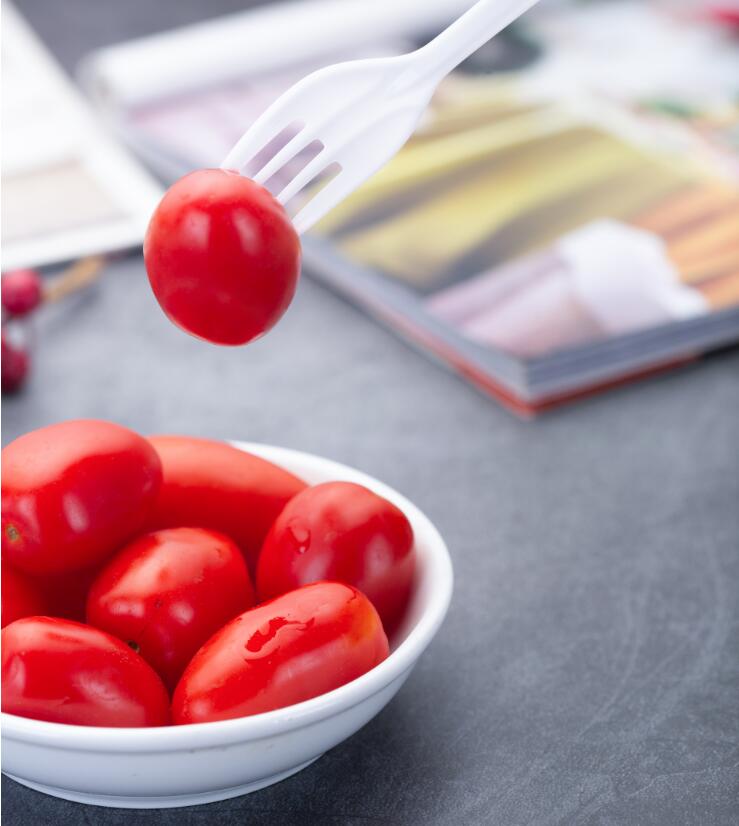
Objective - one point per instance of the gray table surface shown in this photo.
(588, 672)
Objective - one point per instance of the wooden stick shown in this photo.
(77, 276)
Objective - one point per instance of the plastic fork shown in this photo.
(360, 112)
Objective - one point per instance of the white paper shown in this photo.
(622, 275)
(50, 136)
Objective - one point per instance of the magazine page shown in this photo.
(530, 227)
(556, 222)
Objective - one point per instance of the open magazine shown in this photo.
(557, 224)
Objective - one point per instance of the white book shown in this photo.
(69, 188)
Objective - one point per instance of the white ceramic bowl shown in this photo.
(186, 765)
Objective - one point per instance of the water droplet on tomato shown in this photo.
(266, 633)
(300, 536)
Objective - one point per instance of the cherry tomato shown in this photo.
(295, 647)
(66, 593)
(22, 597)
(66, 672)
(14, 365)
(21, 291)
(213, 485)
(73, 493)
(167, 592)
(222, 256)
(344, 532)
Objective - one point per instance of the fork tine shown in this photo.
(266, 127)
(295, 145)
(305, 176)
(334, 191)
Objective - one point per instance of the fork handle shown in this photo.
(473, 29)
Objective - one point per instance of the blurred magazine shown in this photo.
(544, 245)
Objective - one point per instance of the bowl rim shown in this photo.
(271, 723)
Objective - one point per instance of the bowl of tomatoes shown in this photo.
(186, 620)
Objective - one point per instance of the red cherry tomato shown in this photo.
(22, 597)
(222, 256)
(73, 493)
(213, 485)
(21, 291)
(66, 593)
(53, 595)
(295, 647)
(66, 672)
(167, 592)
(15, 364)
(344, 532)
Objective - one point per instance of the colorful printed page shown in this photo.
(530, 226)
(558, 222)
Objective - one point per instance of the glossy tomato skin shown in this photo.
(167, 592)
(21, 596)
(213, 485)
(65, 672)
(73, 492)
(341, 531)
(282, 652)
(223, 257)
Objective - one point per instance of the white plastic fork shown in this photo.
(361, 111)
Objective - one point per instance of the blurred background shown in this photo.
(565, 221)
(559, 222)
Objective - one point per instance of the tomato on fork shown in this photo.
(223, 257)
